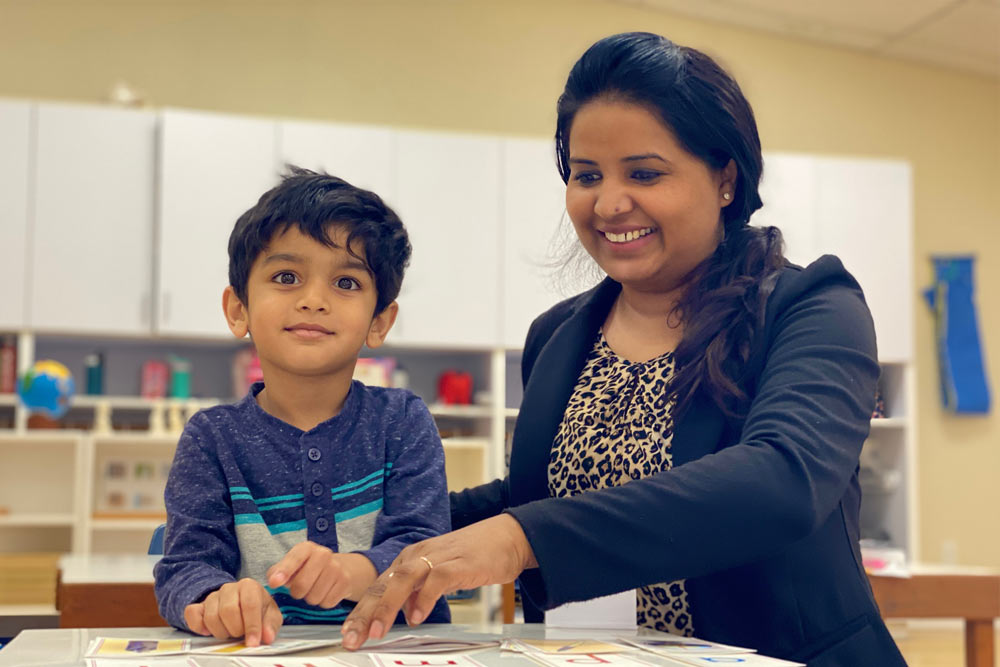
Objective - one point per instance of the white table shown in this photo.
(65, 647)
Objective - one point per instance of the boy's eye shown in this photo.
(348, 283)
(285, 278)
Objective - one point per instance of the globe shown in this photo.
(47, 387)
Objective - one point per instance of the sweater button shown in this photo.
(317, 489)
(314, 454)
(322, 524)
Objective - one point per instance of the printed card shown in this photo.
(107, 647)
(746, 660)
(564, 646)
(680, 646)
(135, 662)
(426, 644)
(278, 647)
(589, 660)
(289, 662)
(423, 660)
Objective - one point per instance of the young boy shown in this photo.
(289, 503)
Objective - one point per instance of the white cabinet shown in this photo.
(361, 155)
(449, 200)
(859, 210)
(213, 167)
(16, 120)
(536, 229)
(864, 217)
(93, 220)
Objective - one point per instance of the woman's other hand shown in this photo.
(492, 551)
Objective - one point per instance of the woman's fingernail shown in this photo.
(278, 578)
(252, 640)
(418, 617)
(376, 631)
(351, 639)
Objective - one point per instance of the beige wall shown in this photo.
(498, 66)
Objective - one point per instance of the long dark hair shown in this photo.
(704, 107)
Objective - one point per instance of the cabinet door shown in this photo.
(449, 200)
(15, 133)
(92, 233)
(865, 218)
(788, 189)
(536, 233)
(213, 167)
(361, 155)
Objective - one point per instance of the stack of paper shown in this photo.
(426, 644)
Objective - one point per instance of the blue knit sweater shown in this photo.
(245, 487)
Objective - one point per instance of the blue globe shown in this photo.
(47, 387)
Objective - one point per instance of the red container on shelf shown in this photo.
(455, 388)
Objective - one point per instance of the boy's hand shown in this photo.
(241, 608)
(320, 576)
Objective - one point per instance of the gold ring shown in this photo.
(427, 560)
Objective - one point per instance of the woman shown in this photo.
(690, 427)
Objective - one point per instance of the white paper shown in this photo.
(422, 660)
(675, 646)
(287, 662)
(159, 661)
(611, 612)
(747, 660)
(592, 660)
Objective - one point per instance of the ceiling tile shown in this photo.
(968, 37)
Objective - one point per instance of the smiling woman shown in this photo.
(690, 427)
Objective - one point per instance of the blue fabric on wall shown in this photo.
(964, 385)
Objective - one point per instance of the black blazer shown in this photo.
(759, 514)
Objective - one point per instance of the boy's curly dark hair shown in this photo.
(313, 202)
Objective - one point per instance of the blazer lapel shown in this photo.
(548, 390)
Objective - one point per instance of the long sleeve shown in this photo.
(415, 506)
(796, 454)
(200, 549)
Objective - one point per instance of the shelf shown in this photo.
(34, 520)
(138, 402)
(461, 411)
(148, 525)
(9, 400)
(889, 422)
(472, 443)
(41, 436)
(28, 610)
(137, 438)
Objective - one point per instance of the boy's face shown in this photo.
(310, 307)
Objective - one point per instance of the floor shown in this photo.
(932, 643)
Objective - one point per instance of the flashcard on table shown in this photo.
(563, 646)
(746, 660)
(589, 660)
(111, 647)
(134, 662)
(426, 644)
(288, 662)
(423, 660)
(278, 647)
(680, 646)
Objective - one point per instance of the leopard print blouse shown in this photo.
(617, 427)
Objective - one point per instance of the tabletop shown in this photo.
(65, 647)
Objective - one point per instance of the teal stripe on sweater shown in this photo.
(363, 480)
(360, 510)
(345, 494)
